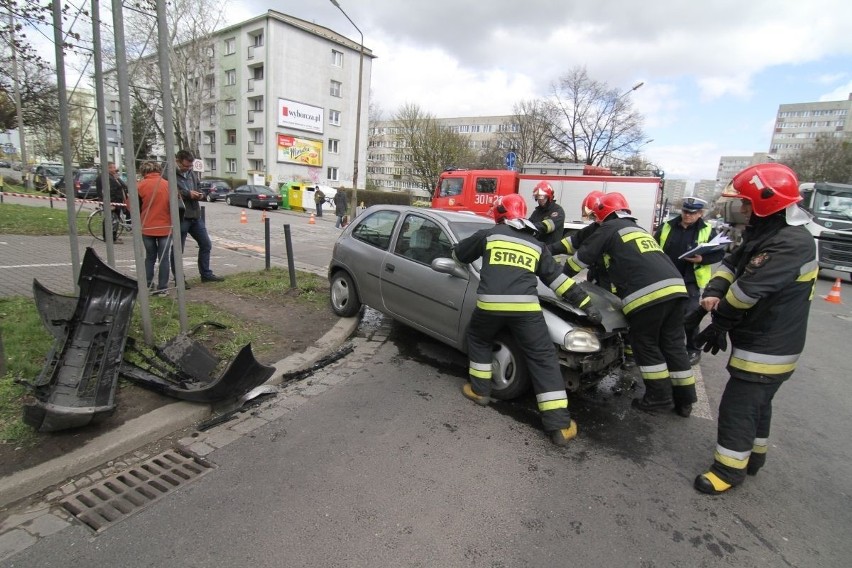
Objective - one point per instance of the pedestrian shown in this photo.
(682, 234)
(513, 260)
(156, 224)
(117, 198)
(340, 208)
(319, 199)
(760, 295)
(192, 222)
(653, 294)
(548, 217)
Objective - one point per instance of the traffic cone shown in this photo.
(312, 220)
(834, 296)
(243, 217)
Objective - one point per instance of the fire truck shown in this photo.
(475, 190)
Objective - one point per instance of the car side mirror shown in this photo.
(451, 267)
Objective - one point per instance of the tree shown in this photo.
(828, 159)
(144, 136)
(528, 132)
(432, 148)
(591, 122)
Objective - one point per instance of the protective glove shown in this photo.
(712, 339)
(693, 318)
(594, 315)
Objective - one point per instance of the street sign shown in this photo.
(511, 157)
(198, 165)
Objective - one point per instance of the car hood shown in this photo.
(612, 318)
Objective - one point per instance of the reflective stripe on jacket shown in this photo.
(702, 271)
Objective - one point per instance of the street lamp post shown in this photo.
(357, 112)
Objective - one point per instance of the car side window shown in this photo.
(422, 240)
(376, 229)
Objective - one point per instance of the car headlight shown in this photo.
(581, 341)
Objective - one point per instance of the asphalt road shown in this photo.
(393, 467)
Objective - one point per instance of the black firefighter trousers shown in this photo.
(745, 414)
(659, 347)
(530, 331)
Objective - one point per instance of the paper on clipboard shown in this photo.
(718, 242)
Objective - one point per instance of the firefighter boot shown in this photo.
(683, 409)
(650, 404)
(755, 462)
(711, 484)
(562, 436)
(467, 391)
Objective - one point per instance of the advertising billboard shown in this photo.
(300, 116)
(303, 151)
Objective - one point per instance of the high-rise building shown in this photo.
(276, 96)
(798, 125)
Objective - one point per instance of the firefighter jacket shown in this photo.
(571, 243)
(549, 221)
(676, 240)
(641, 273)
(512, 262)
(766, 286)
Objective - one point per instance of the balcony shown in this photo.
(255, 85)
(255, 146)
(258, 113)
(211, 149)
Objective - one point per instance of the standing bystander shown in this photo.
(117, 197)
(340, 206)
(156, 224)
(319, 199)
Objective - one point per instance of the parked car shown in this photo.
(214, 189)
(5, 164)
(254, 197)
(85, 184)
(45, 172)
(396, 259)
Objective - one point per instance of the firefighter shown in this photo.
(679, 235)
(653, 294)
(570, 243)
(512, 261)
(548, 217)
(760, 295)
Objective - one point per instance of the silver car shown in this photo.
(397, 260)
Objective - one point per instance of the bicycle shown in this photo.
(95, 223)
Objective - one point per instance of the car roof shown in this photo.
(450, 216)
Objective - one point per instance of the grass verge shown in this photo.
(41, 221)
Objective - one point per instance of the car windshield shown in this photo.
(53, 172)
(88, 177)
(832, 202)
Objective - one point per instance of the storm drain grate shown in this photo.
(123, 494)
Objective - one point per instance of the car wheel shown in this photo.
(274, 207)
(210, 198)
(250, 204)
(344, 298)
(510, 378)
(228, 201)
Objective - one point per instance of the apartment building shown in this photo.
(389, 166)
(798, 125)
(278, 100)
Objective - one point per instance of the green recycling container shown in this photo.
(285, 196)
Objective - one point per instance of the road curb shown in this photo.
(151, 427)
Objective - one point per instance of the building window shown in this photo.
(334, 91)
(231, 77)
(257, 39)
(232, 165)
(332, 174)
(230, 46)
(231, 107)
(334, 117)
(257, 72)
(211, 164)
(230, 137)
(334, 146)
(336, 58)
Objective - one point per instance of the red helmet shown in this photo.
(510, 206)
(590, 202)
(543, 189)
(608, 204)
(769, 187)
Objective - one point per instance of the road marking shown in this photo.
(701, 409)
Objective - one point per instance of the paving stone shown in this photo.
(201, 449)
(18, 519)
(314, 390)
(249, 425)
(220, 437)
(45, 525)
(272, 413)
(15, 541)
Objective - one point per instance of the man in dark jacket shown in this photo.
(513, 260)
(117, 197)
(761, 296)
(676, 237)
(653, 293)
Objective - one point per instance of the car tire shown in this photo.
(343, 295)
(250, 204)
(511, 377)
(210, 198)
(274, 207)
(228, 201)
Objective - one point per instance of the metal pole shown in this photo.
(130, 165)
(65, 133)
(266, 241)
(163, 48)
(16, 93)
(101, 112)
(291, 265)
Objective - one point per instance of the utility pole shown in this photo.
(16, 93)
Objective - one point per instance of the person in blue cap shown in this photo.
(682, 234)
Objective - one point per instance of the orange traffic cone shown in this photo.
(243, 217)
(263, 216)
(834, 296)
(312, 220)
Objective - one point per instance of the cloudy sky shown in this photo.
(714, 72)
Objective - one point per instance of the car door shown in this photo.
(414, 293)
